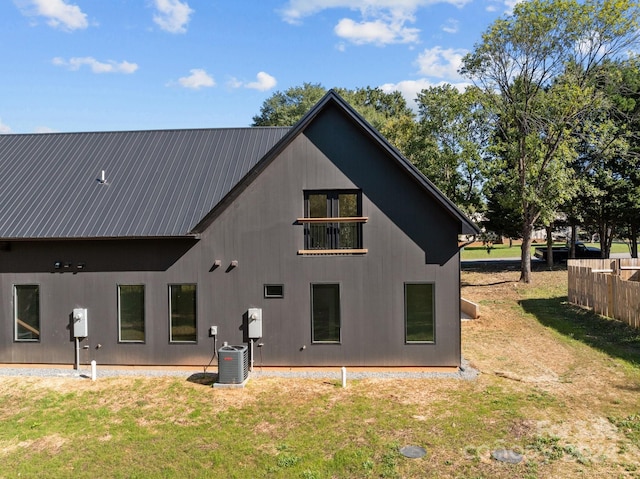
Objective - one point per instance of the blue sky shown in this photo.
(97, 65)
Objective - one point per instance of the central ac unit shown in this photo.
(233, 364)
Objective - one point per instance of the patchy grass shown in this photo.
(557, 386)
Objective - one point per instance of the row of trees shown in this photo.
(549, 126)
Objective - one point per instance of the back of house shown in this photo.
(320, 244)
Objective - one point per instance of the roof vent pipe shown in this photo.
(102, 177)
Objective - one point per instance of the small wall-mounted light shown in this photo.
(57, 264)
(81, 265)
(67, 265)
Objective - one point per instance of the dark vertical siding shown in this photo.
(409, 237)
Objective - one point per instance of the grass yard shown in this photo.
(557, 384)
(504, 251)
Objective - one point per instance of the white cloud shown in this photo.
(441, 63)
(4, 129)
(437, 66)
(296, 10)
(172, 16)
(233, 82)
(451, 26)
(380, 32)
(381, 21)
(263, 82)
(96, 66)
(59, 14)
(199, 78)
(505, 5)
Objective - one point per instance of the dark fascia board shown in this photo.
(466, 225)
(189, 236)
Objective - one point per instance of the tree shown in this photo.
(379, 108)
(541, 61)
(609, 161)
(286, 108)
(450, 140)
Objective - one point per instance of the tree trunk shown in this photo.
(549, 246)
(634, 240)
(574, 240)
(525, 255)
(602, 233)
(610, 234)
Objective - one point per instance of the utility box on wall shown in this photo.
(254, 323)
(80, 323)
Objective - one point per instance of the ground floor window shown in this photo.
(419, 312)
(182, 306)
(26, 312)
(131, 313)
(325, 313)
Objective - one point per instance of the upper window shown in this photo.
(26, 312)
(419, 312)
(182, 304)
(333, 221)
(131, 313)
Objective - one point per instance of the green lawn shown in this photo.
(165, 427)
(503, 250)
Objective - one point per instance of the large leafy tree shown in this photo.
(610, 163)
(285, 108)
(381, 109)
(541, 61)
(450, 141)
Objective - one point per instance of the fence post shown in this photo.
(610, 297)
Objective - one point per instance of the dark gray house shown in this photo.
(319, 242)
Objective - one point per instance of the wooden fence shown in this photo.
(610, 287)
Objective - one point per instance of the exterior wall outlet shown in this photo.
(213, 330)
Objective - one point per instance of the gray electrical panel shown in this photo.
(80, 324)
(254, 323)
(233, 364)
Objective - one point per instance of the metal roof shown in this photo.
(157, 183)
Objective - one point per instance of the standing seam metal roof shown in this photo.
(158, 183)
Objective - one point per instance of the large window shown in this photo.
(26, 312)
(419, 312)
(325, 313)
(182, 304)
(333, 221)
(131, 313)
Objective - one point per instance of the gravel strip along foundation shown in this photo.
(466, 372)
